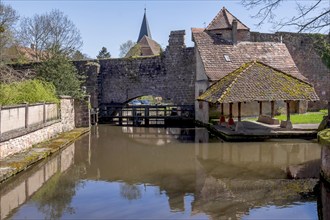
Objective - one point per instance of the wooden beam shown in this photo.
(239, 112)
(272, 114)
(222, 109)
(287, 110)
(260, 107)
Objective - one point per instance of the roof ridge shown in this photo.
(218, 14)
(287, 74)
(249, 65)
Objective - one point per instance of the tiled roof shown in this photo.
(145, 47)
(256, 81)
(213, 49)
(224, 20)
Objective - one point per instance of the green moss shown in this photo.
(324, 137)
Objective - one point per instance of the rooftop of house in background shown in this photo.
(224, 20)
(18, 53)
(224, 47)
(256, 81)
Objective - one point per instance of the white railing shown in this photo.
(25, 116)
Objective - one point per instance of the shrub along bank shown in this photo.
(28, 91)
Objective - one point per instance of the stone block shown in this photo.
(268, 120)
(286, 124)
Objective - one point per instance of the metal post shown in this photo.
(239, 111)
(272, 114)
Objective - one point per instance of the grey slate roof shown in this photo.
(224, 20)
(213, 51)
(256, 81)
(145, 29)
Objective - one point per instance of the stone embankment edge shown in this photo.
(323, 138)
(22, 161)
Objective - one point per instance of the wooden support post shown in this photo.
(146, 116)
(239, 112)
(328, 114)
(222, 115)
(120, 119)
(287, 110)
(272, 114)
(231, 120)
(260, 107)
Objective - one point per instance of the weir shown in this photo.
(147, 115)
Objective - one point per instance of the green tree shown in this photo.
(78, 55)
(61, 72)
(103, 53)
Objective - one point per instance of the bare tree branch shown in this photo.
(309, 17)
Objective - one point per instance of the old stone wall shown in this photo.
(307, 59)
(26, 141)
(170, 76)
(82, 112)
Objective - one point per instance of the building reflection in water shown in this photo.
(223, 179)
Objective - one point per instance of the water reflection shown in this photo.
(164, 173)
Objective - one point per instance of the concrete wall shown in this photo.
(29, 138)
(307, 59)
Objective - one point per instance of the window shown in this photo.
(227, 58)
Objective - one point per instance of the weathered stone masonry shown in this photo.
(170, 75)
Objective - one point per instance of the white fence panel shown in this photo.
(12, 119)
(51, 112)
(36, 114)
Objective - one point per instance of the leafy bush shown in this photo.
(30, 91)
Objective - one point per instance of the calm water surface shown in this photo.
(174, 173)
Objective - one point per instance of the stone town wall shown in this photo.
(307, 60)
(24, 142)
(82, 112)
(170, 75)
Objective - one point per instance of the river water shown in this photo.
(173, 173)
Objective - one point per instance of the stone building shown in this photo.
(223, 47)
(145, 45)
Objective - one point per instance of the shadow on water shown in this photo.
(135, 172)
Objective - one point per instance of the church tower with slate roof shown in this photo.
(145, 45)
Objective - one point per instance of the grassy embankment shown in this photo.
(307, 118)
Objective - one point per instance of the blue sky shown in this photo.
(110, 23)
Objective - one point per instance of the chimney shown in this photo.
(234, 31)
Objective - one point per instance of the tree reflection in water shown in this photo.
(54, 198)
(130, 191)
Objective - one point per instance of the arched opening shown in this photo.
(147, 111)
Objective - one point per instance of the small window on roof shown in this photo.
(227, 58)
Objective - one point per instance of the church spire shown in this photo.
(145, 30)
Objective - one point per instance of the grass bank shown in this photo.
(307, 118)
